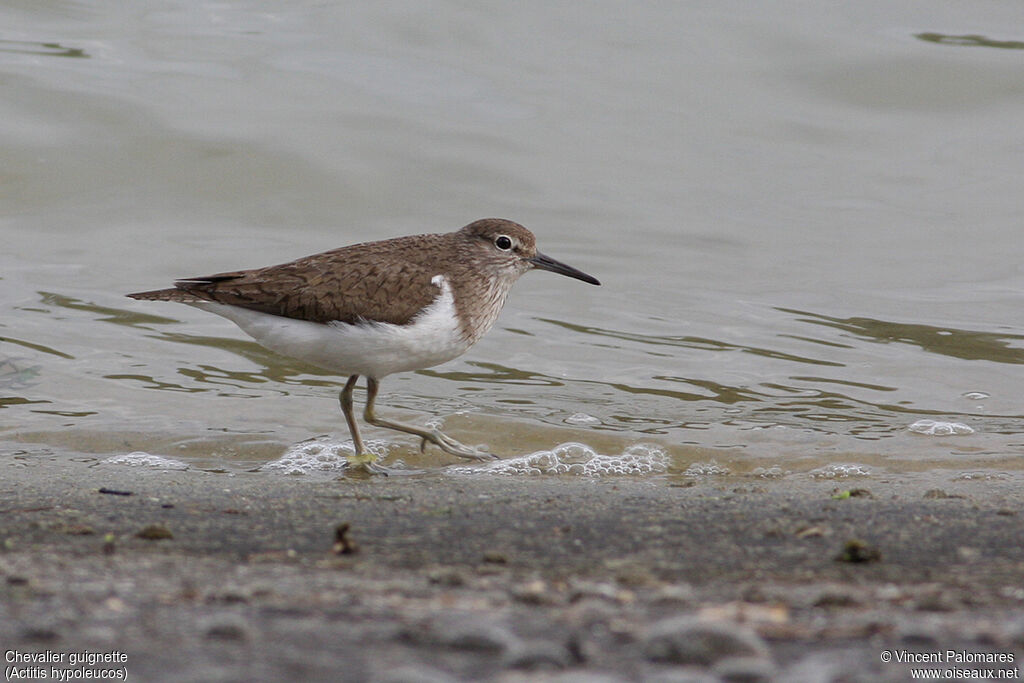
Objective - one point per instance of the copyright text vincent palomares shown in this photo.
(956, 664)
(50, 665)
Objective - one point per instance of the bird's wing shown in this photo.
(351, 285)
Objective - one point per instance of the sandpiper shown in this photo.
(377, 308)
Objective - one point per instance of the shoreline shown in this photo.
(442, 577)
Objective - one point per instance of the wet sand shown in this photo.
(196, 576)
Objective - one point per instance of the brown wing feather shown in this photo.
(349, 284)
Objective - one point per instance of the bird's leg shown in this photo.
(442, 441)
(361, 457)
(345, 399)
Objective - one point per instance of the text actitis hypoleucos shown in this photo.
(378, 308)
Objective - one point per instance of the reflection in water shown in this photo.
(947, 341)
(843, 401)
(768, 222)
(496, 374)
(103, 314)
(29, 47)
(16, 374)
(837, 403)
(8, 401)
(689, 343)
(34, 346)
(970, 40)
(275, 367)
(812, 383)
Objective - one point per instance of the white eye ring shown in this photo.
(503, 242)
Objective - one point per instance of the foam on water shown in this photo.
(773, 472)
(325, 455)
(578, 459)
(705, 469)
(841, 471)
(937, 428)
(143, 459)
(981, 476)
(582, 419)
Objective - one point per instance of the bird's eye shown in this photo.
(503, 242)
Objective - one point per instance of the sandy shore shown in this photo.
(505, 578)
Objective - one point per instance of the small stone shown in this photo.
(155, 532)
(115, 492)
(414, 674)
(858, 551)
(108, 544)
(836, 597)
(538, 655)
(495, 557)
(677, 594)
(40, 633)
(343, 544)
(682, 675)
(935, 601)
(446, 576)
(463, 631)
(226, 627)
(940, 494)
(580, 590)
(687, 640)
(534, 593)
(584, 677)
(745, 670)
(814, 531)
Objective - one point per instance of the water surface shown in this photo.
(805, 219)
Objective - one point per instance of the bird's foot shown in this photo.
(450, 445)
(367, 462)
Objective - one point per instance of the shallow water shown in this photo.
(805, 220)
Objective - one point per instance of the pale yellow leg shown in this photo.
(442, 441)
(361, 458)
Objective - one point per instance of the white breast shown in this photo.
(373, 349)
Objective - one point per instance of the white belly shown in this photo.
(371, 348)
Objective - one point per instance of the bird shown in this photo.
(377, 308)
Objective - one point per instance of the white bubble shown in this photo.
(773, 472)
(841, 471)
(705, 469)
(582, 419)
(577, 459)
(143, 459)
(982, 475)
(321, 456)
(937, 428)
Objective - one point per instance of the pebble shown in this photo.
(581, 677)
(414, 674)
(462, 631)
(675, 594)
(155, 532)
(534, 593)
(226, 627)
(745, 669)
(687, 640)
(681, 675)
(446, 576)
(538, 655)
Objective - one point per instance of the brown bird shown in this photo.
(378, 308)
